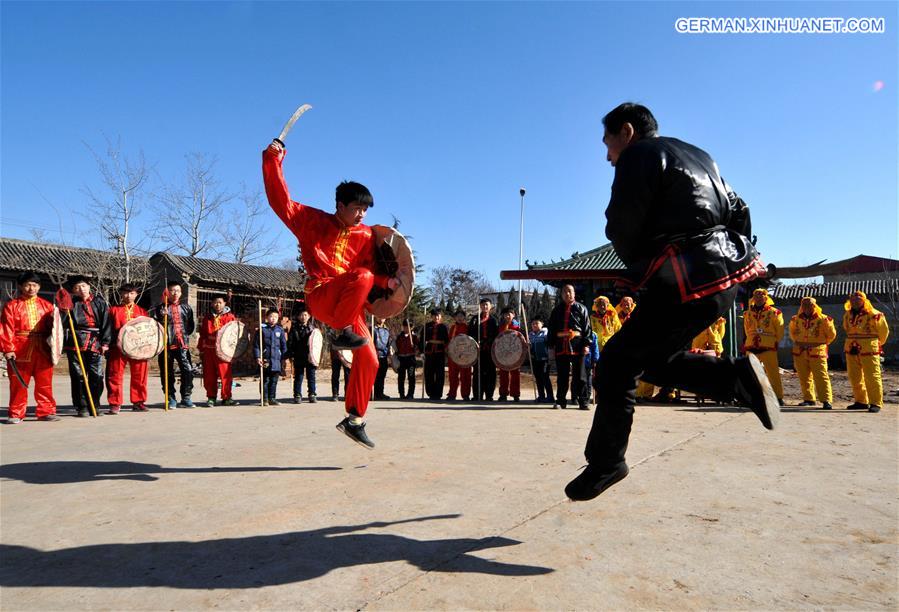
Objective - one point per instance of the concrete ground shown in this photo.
(459, 507)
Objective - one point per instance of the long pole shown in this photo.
(480, 340)
(165, 344)
(262, 359)
(527, 337)
(521, 192)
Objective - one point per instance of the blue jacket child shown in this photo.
(274, 351)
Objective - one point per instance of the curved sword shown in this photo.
(293, 119)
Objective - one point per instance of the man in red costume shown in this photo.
(116, 360)
(458, 374)
(509, 380)
(24, 328)
(213, 367)
(339, 257)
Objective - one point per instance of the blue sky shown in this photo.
(445, 109)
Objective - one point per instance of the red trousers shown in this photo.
(213, 370)
(505, 389)
(115, 375)
(340, 302)
(457, 374)
(40, 368)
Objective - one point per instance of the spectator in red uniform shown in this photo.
(116, 360)
(509, 380)
(459, 377)
(24, 327)
(213, 367)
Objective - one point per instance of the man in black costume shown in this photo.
(685, 238)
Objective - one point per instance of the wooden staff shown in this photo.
(527, 338)
(165, 343)
(261, 359)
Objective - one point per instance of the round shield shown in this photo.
(463, 351)
(141, 338)
(395, 257)
(346, 357)
(55, 337)
(231, 341)
(316, 345)
(509, 350)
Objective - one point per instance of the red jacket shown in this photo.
(212, 323)
(329, 247)
(24, 325)
(121, 315)
(458, 329)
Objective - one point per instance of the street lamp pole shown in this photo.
(521, 192)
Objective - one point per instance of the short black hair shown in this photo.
(535, 319)
(272, 310)
(485, 301)
(78, 278)
(645, 125)
(436, 311)
(406, 323)
(219, 296)
(128, 288)
(459, 312)
(29, 276)
(173, 283)
(348, 192)
(508, 309)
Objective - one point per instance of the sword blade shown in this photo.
(293, 119)
(15, 370)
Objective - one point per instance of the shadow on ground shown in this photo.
(66, 472)
(251, 562)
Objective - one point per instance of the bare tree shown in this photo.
(190, 213)
(457, 285)
(244, 238)
(124, 178)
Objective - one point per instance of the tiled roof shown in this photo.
(841, 289)
(47, 258)
(860, 264)
(227, 273)
(600, 258)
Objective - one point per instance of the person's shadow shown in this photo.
(67, 472)
(250, 562)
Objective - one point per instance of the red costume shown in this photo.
(24, 328)
(116, 360)
(213, 367)
(338, 260)
(459, 374)
(509, 381)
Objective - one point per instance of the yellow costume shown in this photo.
(604, 324)
(712, 339)
(810, 335)
(764, 328)
(866, 332)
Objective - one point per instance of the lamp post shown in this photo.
(521, 192)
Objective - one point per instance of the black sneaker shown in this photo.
(857, 406)
(297, 399)
(583, 407)
(273, 402)
(355, 432)
(593, 481)
(312, 399)
(754, 389)
(82, 414)
(49, 417)
(348, 340)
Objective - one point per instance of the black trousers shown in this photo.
(93, 365)
(486, 385)
(569, 368)
(336, 367)
(435, 374)
(407, 369)
(185, 369)
(301, 368)
(380, 376)
(270, 383)
(650, 347)
(541, 375)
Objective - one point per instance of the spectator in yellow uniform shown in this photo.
(811, 331)
(625, 308)
(712, 339)
(764, 326)
(604, 320)
(866, 333)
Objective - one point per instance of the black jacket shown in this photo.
(187, 322)
(578, 320)
(90, 337)
(673, 219)
(487, 332)
(298, 342)
(442, 338)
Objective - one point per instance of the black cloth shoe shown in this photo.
(583, 407)
(873, 408)
(806, 403)
(312, 399)
(356, 433)
(827, 406)
(82, 414)
(593, 481)
(857, 406)
(754, 389)
(349, 340)
(297, 399)
(273, 402)
(49, 417)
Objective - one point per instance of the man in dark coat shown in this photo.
(685, 238)
(484, 328)
(179, 316)
(94, 330)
